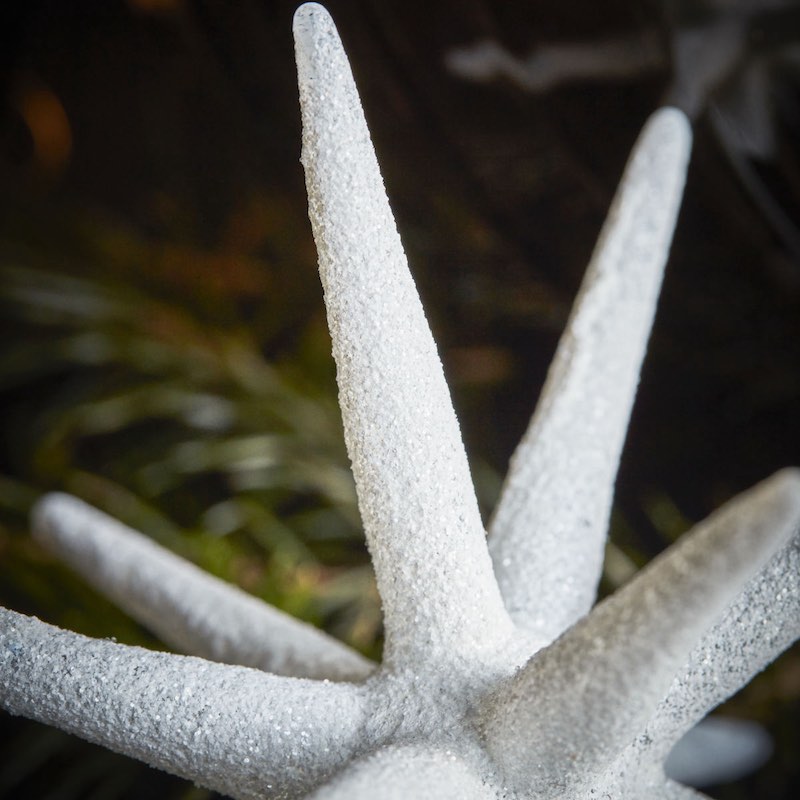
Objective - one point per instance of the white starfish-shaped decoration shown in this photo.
(498, 679)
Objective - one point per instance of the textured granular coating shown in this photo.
(499, 679)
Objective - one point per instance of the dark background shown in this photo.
(149, 161)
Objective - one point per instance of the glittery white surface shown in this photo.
(185, 607)
(607, 675)
(547, 537)
(407, 772)
(414, 488)
(241, 731)
(468, 703)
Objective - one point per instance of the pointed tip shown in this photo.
(786, 482)
(781, 493)
(667, 139)
(310, 11)
(311, 21)
(323, 71)
(669, 129)
(671, 119)
(47, 512)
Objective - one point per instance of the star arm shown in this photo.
(415, 492)
(232, 729)
(762, 622)
(602, 681)
(547, 537)
(183, 605)
(402, 772)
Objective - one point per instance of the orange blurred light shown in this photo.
(48, 125)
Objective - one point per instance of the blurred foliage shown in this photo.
(141, 404)
(162, 408)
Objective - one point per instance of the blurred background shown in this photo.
(164, 348)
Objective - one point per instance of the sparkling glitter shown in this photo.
(500, 678)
